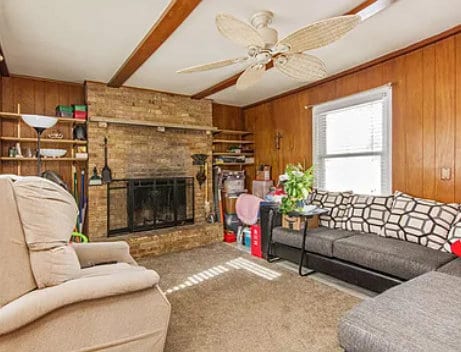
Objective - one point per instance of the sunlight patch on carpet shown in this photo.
(213, 272)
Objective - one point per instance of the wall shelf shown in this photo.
(6, 158)
(117, 121)
(15, 116)
(241, 133)
(233, 154)
(233, 141)
(43, 140)
(232, 164)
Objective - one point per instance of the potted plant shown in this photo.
(297, 184)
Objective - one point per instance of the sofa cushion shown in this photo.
(421, 221)
(409, 317)
(453, 235)
(319, 240)
(401, 259)
(367, 213)
(336, 204)
(452, 268)
(16, 277)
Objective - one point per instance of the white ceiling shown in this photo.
(90, 39)
(73, 40)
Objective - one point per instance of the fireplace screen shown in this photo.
(148, 204)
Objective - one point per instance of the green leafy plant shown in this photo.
(297, 185)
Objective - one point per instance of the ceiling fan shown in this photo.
(286, 54)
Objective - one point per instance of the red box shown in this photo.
(80, 115)
(230, 236)
(256, 249)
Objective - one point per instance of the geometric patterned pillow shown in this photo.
(336, 204)
(367, 213)
(421, 221)
(454, 235)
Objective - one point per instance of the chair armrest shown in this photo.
(94, 253)
(36, 304)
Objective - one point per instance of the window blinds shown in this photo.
(351, 143)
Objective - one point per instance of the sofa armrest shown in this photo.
(35, 304)
(90, 254)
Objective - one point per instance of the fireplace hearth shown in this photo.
(149, 203)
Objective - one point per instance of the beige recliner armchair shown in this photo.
(83, 306)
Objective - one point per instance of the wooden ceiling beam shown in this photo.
(3, 67)
(171, 19)
(231, 81)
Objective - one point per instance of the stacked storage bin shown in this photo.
(80, 112)
(64, 111)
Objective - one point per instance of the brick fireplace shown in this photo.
(147, 153)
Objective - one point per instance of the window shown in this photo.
(352, 143)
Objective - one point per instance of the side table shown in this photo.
(307, 216)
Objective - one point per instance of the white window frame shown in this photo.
(319, 147)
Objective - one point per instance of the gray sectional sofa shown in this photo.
(397, 244)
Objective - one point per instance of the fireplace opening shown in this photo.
(148, 204)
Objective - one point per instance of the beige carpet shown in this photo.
(239, 306)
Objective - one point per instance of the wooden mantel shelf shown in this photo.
(118, 121)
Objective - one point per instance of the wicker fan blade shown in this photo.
(239, 32)
(302, 67)
(250, 76)
(212, 65)
(320, 33)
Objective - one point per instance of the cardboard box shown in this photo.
(264, 173)
(261, 188)
(296, 223)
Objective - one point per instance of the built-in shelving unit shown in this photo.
(18, 132)
(223, 156)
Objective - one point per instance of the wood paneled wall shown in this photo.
(36, 96)
(426, 121)
(228, 117)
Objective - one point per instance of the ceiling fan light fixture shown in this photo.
(261, 21)
(281, 59)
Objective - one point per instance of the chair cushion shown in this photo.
(336, 204)
(452, 268)
(54, 266)
(319, 240)
(421, 315)
(367, 213)
(16, 277)
(38, 303)
(401, 259)
(48, 212)
(421, 221)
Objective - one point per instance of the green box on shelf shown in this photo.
(64, 108)
(79, 107)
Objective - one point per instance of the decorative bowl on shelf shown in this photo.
(40, 122)
(53, 153)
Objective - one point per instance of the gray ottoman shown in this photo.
(423, 314)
